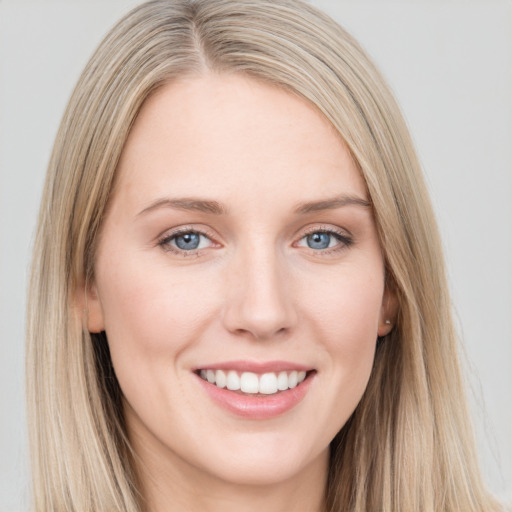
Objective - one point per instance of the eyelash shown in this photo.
(344, 240)
(164, 242)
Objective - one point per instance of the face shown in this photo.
(239, 250)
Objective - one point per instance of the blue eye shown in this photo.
(322, 240)
(319, 240)
(188, 241)
(185, 241)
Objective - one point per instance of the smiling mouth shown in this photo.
(254, 384)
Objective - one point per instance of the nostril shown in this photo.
(262, 309)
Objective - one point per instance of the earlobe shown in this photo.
(388, 313)
(90, 308)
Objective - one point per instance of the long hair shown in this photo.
(407, 446)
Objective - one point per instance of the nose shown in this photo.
(259, 300)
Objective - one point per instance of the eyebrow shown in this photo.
(187, 204)
(331, 204)
(214, 207)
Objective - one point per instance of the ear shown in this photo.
(388, 312)
(89, 307)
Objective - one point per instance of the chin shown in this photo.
(263, 469)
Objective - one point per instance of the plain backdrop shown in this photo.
(450, 65)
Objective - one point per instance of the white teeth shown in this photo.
(220, 379)
(268, 384)
(233, 381)
(249, 382)
(282, 381)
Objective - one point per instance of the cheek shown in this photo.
(152, 318)
(346, 304)
(344, 316)
(151, 315)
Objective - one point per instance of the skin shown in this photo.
(254, 290)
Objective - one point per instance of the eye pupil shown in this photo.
(188, 241)
(318, 240)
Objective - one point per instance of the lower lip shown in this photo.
(258, 407)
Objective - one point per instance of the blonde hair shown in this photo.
(407, 446)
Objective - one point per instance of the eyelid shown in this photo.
(342, 235)
(345, 238)
(326, 228)
(169, 234)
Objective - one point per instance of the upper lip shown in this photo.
(255, 366)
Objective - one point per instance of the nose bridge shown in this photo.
(258, 299)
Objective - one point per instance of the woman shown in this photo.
(248, 302)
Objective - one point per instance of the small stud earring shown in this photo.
(388, 322)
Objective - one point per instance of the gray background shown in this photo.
(450, 65)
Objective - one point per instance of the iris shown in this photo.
(319, 240)
(187, 241)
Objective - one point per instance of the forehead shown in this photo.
(230, 135)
